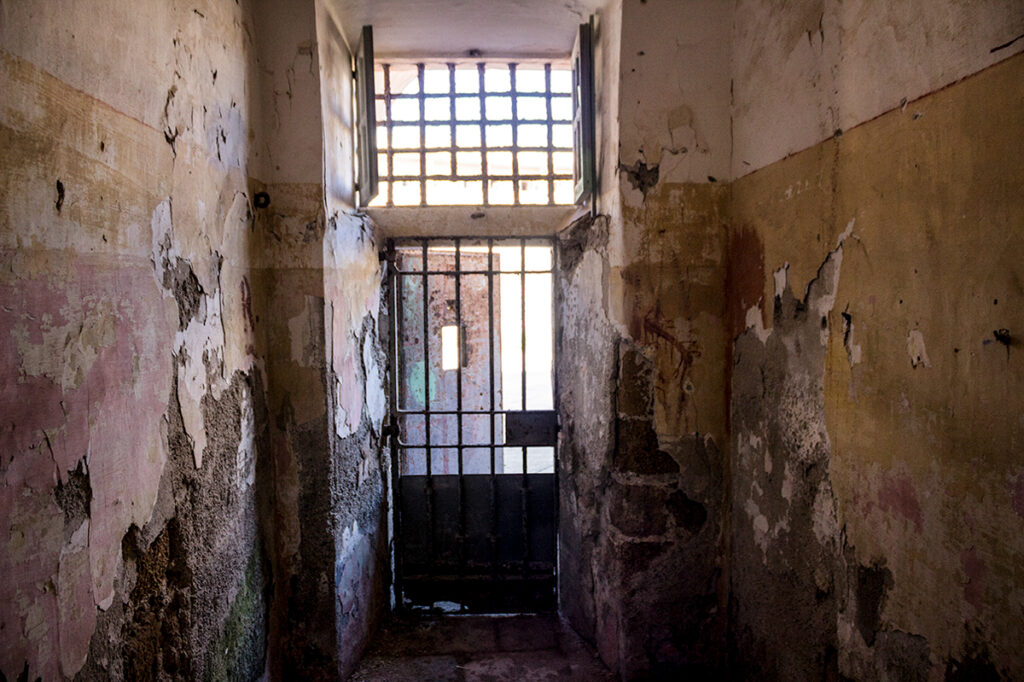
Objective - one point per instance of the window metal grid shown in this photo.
(501, 138)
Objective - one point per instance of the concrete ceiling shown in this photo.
(452, 28)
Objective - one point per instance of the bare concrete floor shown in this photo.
(479, 648)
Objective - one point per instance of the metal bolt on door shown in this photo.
(473, 395)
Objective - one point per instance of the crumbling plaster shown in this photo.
(910, 387)
(797, 308)
(95, 287)
(149, 314)
(644, 499)
(822, 404)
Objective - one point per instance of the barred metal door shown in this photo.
(473, 396)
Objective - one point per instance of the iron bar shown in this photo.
(483, 133)
(491, 417)
(515, 137)
(458, 402)
(426, 396)
(451, 109)
(522, 357)
(423, 139)
(551, 137)
(556, 340)
(394, 344)
(387, 122)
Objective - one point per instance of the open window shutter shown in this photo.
(584, 168)
(366, 117)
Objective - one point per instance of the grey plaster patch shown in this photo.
(641, 176)
(202, 548)
(873, 583)
(585, 233)
(902, 657)
(74, 496)
(188, 292)
(786, 546)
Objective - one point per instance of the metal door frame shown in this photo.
(394, 430)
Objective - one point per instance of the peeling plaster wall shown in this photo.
(131, 484)
(357, 366)
(644, 429)
(875, 388)
(767, 440)
(177, 497)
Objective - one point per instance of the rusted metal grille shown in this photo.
(473, 455)
(474, 134)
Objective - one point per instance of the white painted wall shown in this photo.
(803, 69)
(289, 150)
(429, 28)
(674, 91)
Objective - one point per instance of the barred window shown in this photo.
(487, 134)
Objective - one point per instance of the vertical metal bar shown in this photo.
(451, 104)
(551, 141)
(522, 320)
(556, 342)
(426, 402)
(525, 488)
(515, 134)
(391, 153)
(491, 415)
(483, 133)
(423, 140)
(394, 347)
(458, 405)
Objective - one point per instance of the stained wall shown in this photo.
(644, 429)
(799, 204)
(131, 484)
(874, 413)
(168, 355)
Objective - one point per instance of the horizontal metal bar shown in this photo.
(478, 149)
(452, 273)
(440, 242)
(452, 412)
(465, 445)
(415, 122)
(486, 93)
(470, 178)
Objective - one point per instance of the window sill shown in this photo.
(472, 221)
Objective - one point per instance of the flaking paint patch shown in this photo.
(853, 350)
(348, 394)
(781, 278)
(66, 352)
(755, 323)
(376, 400)
(200, 349)
(916, 350)
(245, 454)
(352, 281)
(304, 333)
(785, 518)
(75, 607)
